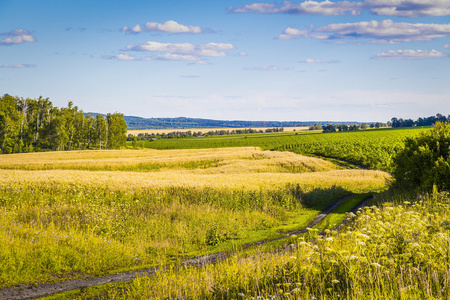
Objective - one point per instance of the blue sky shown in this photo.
(367, 60)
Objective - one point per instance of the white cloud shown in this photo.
(318, 61)
(400, 8)
(19, 36)
(182, 48)
(168, 26)
(172, 27)
(267, 68)
(409, 8)
(305, 8)
(120, 57)
(446, 46)
(165, 56)
(216, 46)
(411, 54)
(293, 33)
(18, 66)
(172, 56)
(385, 31)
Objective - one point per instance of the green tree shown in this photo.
(117, 130)
(329, 128)
(425, 160)
(101, 131)
(57, 133)
(9, 125)
(90, 130)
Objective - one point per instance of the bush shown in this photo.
(425, 160)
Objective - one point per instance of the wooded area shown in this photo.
(28, 125)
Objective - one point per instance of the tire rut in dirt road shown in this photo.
(24, 292)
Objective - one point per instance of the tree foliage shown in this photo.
(28, 125)
(428, 121)
(425, 160)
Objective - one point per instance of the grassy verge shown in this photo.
(398, 251)
(330, 222)
(338, 215)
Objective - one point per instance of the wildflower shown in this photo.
(377, 265)
(241, 294)
(334, 281)
(364, 236)
(329, 239)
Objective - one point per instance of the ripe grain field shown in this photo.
(80, 214)
(68, 214)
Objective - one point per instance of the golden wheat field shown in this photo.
(68, 214)
(247, 168)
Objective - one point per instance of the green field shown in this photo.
(373, 149)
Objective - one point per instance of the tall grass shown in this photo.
(396, 251)
(63, 223)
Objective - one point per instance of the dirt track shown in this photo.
(21, 292)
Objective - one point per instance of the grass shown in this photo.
(68, 214)
(398, 251)
(338, 215)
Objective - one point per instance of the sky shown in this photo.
(366, 61)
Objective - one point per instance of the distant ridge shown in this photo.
(182, 122)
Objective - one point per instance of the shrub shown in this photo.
(425, 160)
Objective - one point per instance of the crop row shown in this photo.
(371, 148)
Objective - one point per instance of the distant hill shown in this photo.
(182, 122)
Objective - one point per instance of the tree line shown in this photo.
(427, 121)
(189, 133)
(346, 127)
(29, 125)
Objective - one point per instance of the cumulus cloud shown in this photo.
(172, 56)
(172, 27)
(304, 8)
(210, 49)
(409, 8)
(18, 66)
(293, 33)
(385, 31)
(168, 26)
(19, 36)
(216, 46)
(400, 8)
(268, 68)
(165, 56)
(411, 54)
(318, 61)
(120, 57)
